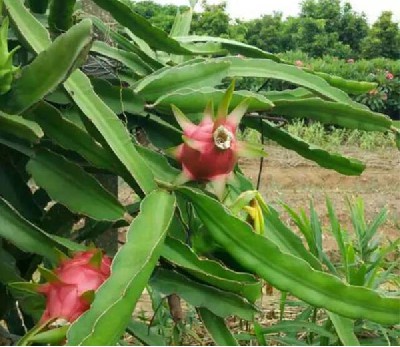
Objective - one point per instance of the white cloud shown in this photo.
(247, 9)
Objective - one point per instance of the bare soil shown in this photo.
(294, 180)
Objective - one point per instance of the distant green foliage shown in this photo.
(383, 39)
(385, 98)
(159, 15)
(213, 21)
(322, 27)
(334, 137)
(266, 33)
(330, 138)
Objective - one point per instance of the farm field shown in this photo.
(294, 180)
(291, 179)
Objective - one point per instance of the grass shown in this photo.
(330, 138)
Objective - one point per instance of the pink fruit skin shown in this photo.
(207, 162)
(389, 76)
(76, 276)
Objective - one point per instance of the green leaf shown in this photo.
(288, 94)
(81, 91)
(269, 69)
(118, 98)
(29, 300)
(38, 6)
(111, 128)
(142, 46)
(296, 326)
(190, 100)
(181, 26)
(54, 65)
(70, 136)
(28, 287)
(70, 185)
(259, 334)
(16, 144)
(338, 234)
(207, 48)
(286, 272)
(127, 45)
(143, 333)
(8, 269)
(51, 337)
(16, 191)
(217, 328)
(221, 303)
(58, 220)
(60, 15)
(129, 59)
(203, 74)
(105, 321)
(345, 329)
(234, 47)
(286, 239)
(333, 113)
(24, 234)
(20, 127)
(156, 38)
(210, 271)
(159, 165)
(24, 22)
(161, 133)
(334, 161)
(348, 86)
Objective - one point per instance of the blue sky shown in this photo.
(247, 9)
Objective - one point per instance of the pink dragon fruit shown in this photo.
(211, 149)
(389, 75)
(71, 287)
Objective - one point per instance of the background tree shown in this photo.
(383, 39)
(328, 10)
(212, 21)
(353, 28)
(161, 16)
(323, 27)
(266, 32)
(326, 22)
(238, 30)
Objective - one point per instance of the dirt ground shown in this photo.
(290, 178)
(294, 180)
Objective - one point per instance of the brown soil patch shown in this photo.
(289, 178)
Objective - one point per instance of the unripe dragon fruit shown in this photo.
(70, 289)
(211, 149)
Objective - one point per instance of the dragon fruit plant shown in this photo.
(66, 123)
